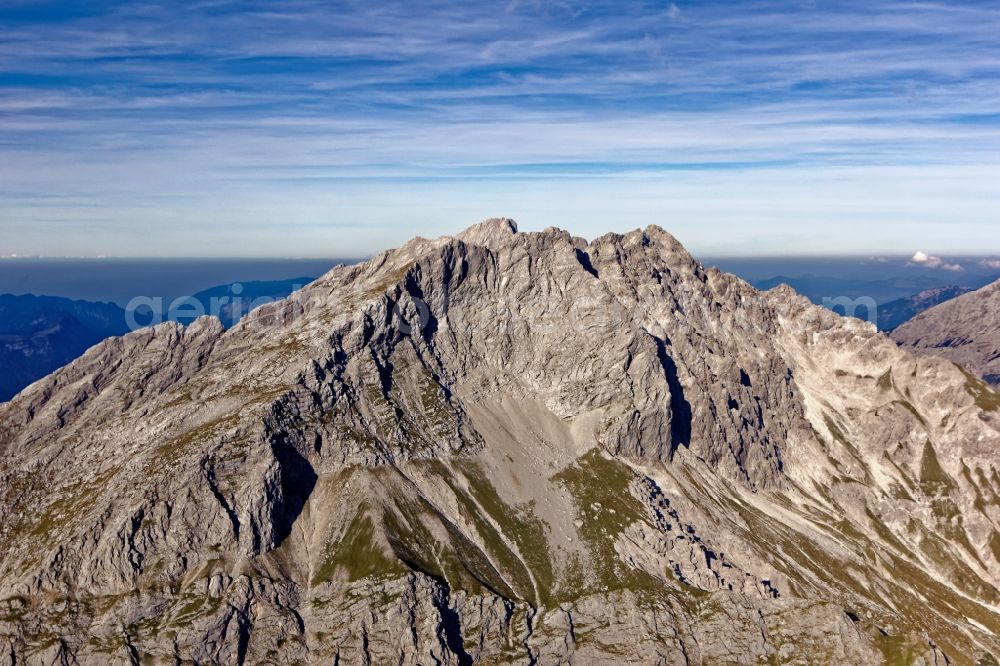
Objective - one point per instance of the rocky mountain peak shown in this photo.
(505, 447)
(490, 232)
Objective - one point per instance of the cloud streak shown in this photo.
(110, 104)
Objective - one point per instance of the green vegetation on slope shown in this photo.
(520, 525)
(356, 553)
(413, 528)
(605, 505)
(933, 479)
(514, 569)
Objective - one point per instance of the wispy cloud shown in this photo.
(115, 105)
(925, 260)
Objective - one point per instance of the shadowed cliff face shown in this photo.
(505, 447)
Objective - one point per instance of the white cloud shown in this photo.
(929, 261)
(990, 263)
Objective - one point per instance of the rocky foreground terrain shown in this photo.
(505, 447)
(965, 329)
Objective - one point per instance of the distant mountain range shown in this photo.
(894, 313)
(897, 299)
(234, 301)
(964, 329)
(39, 334)
(819, 287)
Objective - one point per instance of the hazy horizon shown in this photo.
(119, 279)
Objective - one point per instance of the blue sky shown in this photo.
(301, 128)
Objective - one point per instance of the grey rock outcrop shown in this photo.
(505, 447)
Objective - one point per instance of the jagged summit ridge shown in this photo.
(504, 447)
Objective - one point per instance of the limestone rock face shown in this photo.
(965, 330)
(505, 447)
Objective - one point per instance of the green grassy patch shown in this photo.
(519, 524)
(933, 479)
(987, 659)
(896, 650)
(885, 381)
(600, 489)
(958, 572)
(994, 544)
(454, 559)
(191, 607)
(357, 554)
